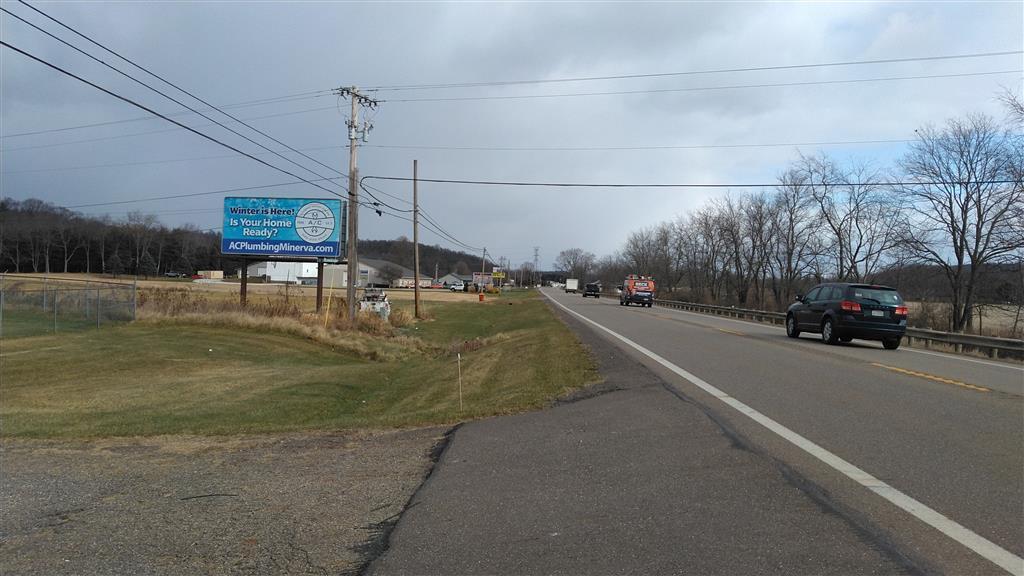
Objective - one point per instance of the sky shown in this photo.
(237, 52)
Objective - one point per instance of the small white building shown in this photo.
(372, 273)
(288, 272)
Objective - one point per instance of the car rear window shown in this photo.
(591, 286)
(879, 295)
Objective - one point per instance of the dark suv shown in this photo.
(592, 289)
(842, 312)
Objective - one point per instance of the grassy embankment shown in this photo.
(232, 373)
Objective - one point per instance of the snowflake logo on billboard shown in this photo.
(314, 222)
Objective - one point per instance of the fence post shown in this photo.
(55, 310)
(2, 277)
(44, 293)
(97, 307)
(134, 296)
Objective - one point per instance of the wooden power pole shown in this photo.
(355, 133)
(416, 239)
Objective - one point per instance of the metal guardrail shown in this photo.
(988, 345)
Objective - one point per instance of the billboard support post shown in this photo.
(242, 292)
(319, 284)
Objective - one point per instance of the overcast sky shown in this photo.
(232, 52)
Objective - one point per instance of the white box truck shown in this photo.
(572, 285)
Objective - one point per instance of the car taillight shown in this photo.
(849, 306)
(901, 310)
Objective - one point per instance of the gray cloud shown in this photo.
(230, 52)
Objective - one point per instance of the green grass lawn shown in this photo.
(145, 379)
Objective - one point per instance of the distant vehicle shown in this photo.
(457, 287)
(170, 274)
(841, 312)
(592, 289)
(637, 289)
(437, 285)
(572, 285)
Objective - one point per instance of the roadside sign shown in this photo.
(297, 227)
(498, 275)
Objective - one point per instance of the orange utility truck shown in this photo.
(637, 290)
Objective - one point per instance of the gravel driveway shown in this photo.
(283, 504)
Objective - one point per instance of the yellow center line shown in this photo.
(727, 331)
(933, 377)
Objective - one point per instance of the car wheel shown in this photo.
(791, 330)
(828, 333)
(891, 343)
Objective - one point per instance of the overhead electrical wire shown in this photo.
(528, 96)
(154, 112)
(491, 149)
(697, 72)
(627, 148)
(246, 104)
(661, 185)
(161, 131)
(192, 194)
(162, 93)
(701, 89)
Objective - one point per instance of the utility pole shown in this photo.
(355, 133)
(416, 238)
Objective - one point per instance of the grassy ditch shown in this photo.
(224, 372)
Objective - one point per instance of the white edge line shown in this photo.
(978, 544)
(907, 349)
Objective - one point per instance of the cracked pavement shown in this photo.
(282, 504)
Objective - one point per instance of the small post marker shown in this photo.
(460, 382)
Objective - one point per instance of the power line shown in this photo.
(626, 148)
(193, 194)
(161, 131)
(274, 100)
(659, 185)
(482, 149)
(165, 95)
(696, 72)
(703, 88)
(151, 111)
(440, 229)
(520, 97)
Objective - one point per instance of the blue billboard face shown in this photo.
(297, 227)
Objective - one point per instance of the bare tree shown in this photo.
(1014, 106)
(794, 251)
(389, 273)
(575, 262)
(855, 210)
(966, 203)
(142, 228)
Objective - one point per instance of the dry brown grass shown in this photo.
(370, 337)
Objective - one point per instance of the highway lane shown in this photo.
(945, 430)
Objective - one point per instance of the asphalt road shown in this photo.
(945, 430)
(721, 446)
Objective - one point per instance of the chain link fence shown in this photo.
(37, 305)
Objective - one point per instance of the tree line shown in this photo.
(36, 236)
(39, 237)
(954, 202)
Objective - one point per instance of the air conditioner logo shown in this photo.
(314, 222)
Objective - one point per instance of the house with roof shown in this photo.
(452, 278)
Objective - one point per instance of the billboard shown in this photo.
(283, 227)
